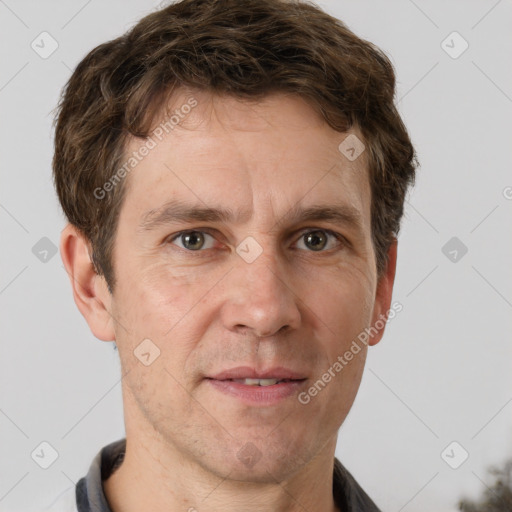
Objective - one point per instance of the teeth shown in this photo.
(257, 382)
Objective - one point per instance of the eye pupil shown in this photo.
(193, 240)
(313, 238)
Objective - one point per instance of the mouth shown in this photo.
(262, 382)
(252, 376)
(258, 388)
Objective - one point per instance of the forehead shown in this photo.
(218, 149)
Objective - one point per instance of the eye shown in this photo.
(320, 239)
(317, 240)
(193, 240)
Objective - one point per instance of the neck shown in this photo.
(162, 476)
(156, 477)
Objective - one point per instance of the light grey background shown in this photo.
(442, 372)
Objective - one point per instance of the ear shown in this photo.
(383, 296)
(90, 290)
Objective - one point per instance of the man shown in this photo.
(233, 173)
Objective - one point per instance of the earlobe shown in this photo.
(383, 295)
(90, 290)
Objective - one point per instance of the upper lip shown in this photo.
(246, 372)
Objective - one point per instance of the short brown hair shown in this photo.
(241, 48)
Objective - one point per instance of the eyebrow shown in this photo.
(178, 211)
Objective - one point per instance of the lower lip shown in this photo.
(258, 395)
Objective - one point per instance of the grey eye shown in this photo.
(194, 240)
(318, 240)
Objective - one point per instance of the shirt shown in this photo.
(88, 495)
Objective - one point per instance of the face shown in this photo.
(244, 250)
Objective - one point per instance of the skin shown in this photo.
(210, 310)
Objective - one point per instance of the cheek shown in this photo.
(342, 310)
(160, 307)
(172, 309)
(155, 302)
(343, 301)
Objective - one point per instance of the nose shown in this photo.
(259, 298)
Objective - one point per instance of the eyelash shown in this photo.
(340, 238)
